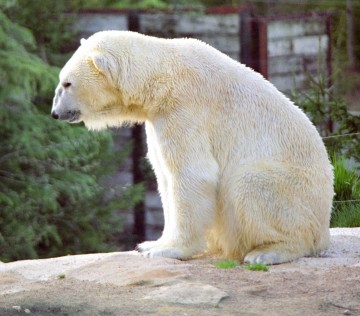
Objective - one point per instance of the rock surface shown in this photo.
(125, 283)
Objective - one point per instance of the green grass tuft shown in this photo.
(256, 267)
(347, 180)
(346, 207)
(346, 214)
(226, 264)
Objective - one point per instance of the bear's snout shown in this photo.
(54, 115)
(68, 116)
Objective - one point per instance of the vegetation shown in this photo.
(256, 267)
(346, 214)
(231, 264)
(346, 210)
(51, 198)
(61, 276)
(343, 145)
(327, 108)
(54, 33)
(347, 180)
(226, 264)
(128, 4)
(146, 4)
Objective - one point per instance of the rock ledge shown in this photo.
(125, 283)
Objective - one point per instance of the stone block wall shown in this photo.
(90, 22)
(294, 45)
(220, 31)
(295, 49)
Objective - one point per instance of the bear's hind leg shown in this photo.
(275, 253)
(282, 212)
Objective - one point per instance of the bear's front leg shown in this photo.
(190, 199)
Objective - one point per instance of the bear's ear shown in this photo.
(82, 41)
(105, 65)
(100, 62)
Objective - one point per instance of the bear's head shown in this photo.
(87, 90)
(112, 78)
(95, 86)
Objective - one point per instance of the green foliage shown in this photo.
(226, 264)
(256, 267)
(347, 181)
(346, 214)
(320, 103)
(323, 106)
(126, 4)
(317, 102)
(346, 210)
(15, 42)
(61, 276)
(54, 32)
(51, 198)
(143, 4)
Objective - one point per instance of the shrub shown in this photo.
(343, 145)
(347, 181)
(346, 214)
(340, 129)
(51, 198)
(346, 210)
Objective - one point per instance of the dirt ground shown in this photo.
(128, 284)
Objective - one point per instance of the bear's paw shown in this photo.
(167, 252)
(255, 257)
(157, 248)
(147, 245)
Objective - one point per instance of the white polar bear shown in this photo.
(241, 170)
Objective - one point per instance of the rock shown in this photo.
(126, 283)
(188, 293)
(131, 269)
(155, 277)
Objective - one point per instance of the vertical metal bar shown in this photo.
(262, 47)
(329, 73)
(139, 228)
(134, 21)
(246, 38)
(253, 42)
(350, 32)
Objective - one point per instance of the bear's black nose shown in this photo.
(54, 115)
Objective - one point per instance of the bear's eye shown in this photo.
(66, 84)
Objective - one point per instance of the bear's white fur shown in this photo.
(241, 170)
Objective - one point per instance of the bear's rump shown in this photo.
(270, 202)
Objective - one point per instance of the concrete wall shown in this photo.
(294, 45)
(220, 31)
(88, 23)
(295, 49)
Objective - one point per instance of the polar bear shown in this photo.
(240, 169)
